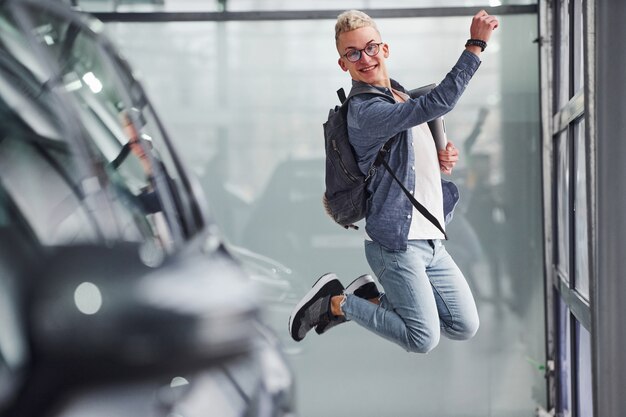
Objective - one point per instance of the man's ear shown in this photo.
(342, 64)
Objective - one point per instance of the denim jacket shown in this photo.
(374, 119)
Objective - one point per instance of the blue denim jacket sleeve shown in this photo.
(374, 119)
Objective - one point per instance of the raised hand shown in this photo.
(483, 24)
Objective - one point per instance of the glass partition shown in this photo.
(564, 358)
(246, 101)
(581, 213)
(584, 383)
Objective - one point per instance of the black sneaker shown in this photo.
(314, 308)
(363, 287)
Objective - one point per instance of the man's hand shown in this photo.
(482, 26)
(448, 158)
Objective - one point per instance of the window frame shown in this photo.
(560, 122)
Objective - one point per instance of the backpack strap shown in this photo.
(365, 89)
(423, 210)
(342, 95)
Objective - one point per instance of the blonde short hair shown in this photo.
(351, 20)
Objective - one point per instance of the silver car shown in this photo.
(117, 295)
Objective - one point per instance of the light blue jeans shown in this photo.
(425, 294)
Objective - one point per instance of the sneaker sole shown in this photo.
(313, 293)
(357, 283)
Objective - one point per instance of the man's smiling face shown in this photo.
(369, 69)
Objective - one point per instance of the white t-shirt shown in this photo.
(428, 190)
(427, 185)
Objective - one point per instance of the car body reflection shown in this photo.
(118, 296)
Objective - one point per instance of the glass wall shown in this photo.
(246, 101)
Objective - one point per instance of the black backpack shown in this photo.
(346, 195)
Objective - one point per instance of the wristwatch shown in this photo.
(476, 42)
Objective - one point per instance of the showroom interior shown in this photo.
(237, 91)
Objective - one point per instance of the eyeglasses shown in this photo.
(372, 49)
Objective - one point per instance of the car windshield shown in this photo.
(77, 124)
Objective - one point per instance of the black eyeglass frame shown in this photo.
(360, 51)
